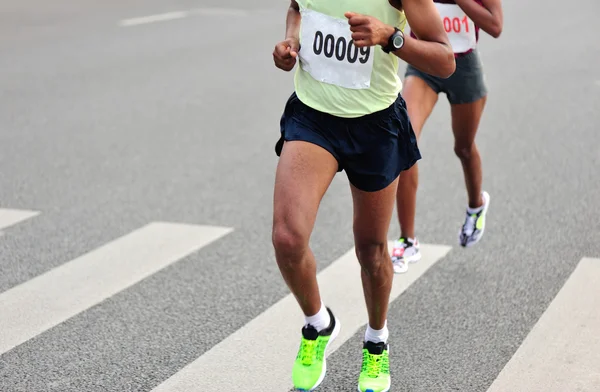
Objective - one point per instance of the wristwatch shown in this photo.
(395, 42)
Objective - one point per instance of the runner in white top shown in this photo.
(467, 92)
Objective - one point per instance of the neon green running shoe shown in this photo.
(375, 371)
(310, 367)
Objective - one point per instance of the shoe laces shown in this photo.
(469, 226)
(307, 351)
(372, 364)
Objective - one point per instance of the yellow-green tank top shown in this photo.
(336, 77)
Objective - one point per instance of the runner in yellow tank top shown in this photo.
(346, 114)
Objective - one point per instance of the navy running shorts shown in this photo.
(466, 85)
(372, 149)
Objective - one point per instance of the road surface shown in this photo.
(136, 175)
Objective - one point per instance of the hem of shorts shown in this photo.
(293, 139)
(426, 80)
(387, 183)
(371, 190)
(465, 102)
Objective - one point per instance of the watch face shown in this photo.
(398, 41)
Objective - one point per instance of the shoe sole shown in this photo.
(410, 260)
(403, 271)
(415, 258)
(372, 390)
(334, 334)
(485, 210)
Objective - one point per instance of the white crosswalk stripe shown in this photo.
(562, 351)
(49, 299)
(10, 217)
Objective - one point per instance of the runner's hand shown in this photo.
(367, 30)
(285, 54)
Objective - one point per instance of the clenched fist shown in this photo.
(367, 30)
(285, 54)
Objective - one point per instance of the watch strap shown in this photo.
(389, 47)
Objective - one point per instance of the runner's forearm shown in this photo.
(292, 22)
(434, 58)
(482, 17)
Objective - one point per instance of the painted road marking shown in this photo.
(235, 365)
(153, 18)
(173, 15)
(562, 351)
(220, 12)
(9, 217)
(43, 302)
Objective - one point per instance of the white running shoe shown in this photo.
(405, 252)
(474, 226)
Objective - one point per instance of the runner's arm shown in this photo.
(286, 51)
(431, 53)
(292, 22)
(489, 17)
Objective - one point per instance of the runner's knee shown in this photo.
(372, 255)
(464, 151)
(290, 243)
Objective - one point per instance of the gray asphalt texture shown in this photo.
(104, 129)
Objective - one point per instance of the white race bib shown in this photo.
(459, 27)
(328, 54)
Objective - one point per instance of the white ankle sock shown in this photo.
(321, 320)
(377, 336)
(476, 210)
(472, 211)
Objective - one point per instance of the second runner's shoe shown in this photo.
(405, 252)
(375, 371)
(474, 226)
(310, 366)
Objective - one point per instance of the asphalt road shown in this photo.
(104, 128)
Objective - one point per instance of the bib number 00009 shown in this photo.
(342, 49)
(329, 55)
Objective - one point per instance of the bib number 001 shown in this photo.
(342, 49)
(460, 29)
(455, 24)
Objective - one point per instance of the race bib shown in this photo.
(329, 55)
(459, 27)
